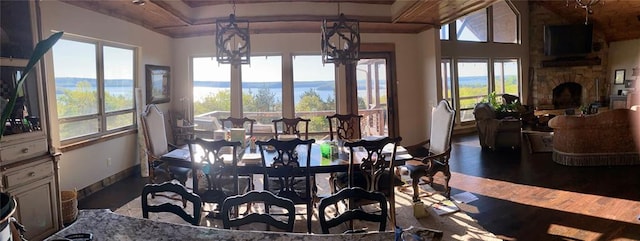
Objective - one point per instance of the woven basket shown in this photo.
(69, 206)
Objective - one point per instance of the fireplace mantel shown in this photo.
(571, 62)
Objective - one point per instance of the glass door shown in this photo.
(371, 93)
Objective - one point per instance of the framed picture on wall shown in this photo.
(157, 78)
(618, 77)
(628, 83)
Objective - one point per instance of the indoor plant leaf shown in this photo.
(41, 48)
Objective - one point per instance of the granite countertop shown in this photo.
(106, 225)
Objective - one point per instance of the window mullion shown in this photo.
(100, 86)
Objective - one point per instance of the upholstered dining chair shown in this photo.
(245, 122)
(157, 146)
(291, 127)
(220, 170)
(344, 126)
(432, 156)
(375, 169)
(152, 189)
(287, 176)
(352, 212)
(230, 218)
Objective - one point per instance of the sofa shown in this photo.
(601, 139)
(496, 131)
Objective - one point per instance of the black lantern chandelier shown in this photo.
(587, 6)
(340, 40)
(232, 40)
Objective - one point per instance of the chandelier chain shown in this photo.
(587, 6)
(234, 7)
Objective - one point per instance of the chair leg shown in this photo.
(309, 216)
(447, 177)
(332, 188)
(251, 188)
(416, 190)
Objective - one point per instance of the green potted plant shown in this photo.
(502, 109)
(41, 48)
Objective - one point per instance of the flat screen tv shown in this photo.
(568, 40)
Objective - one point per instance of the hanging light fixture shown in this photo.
(340, 40)
(232, 40)
(587, 6)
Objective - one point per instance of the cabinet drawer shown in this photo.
(27, 175)
(23, 151)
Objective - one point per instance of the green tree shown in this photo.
(220, 101)
(81, 100)
(310, 100)
(248, 102)
(265, 100)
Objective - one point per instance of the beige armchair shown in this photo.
(154, 131)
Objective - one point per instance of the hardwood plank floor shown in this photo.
(522, 196)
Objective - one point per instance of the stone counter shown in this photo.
(106, 225)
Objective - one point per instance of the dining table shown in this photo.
(338, 161)
(103, 224)
(250, 162)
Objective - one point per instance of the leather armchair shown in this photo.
(495, 132)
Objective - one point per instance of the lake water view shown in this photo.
(324, 88)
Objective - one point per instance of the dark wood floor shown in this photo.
(522, 196)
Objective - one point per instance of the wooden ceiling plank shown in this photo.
(617, 20)
(202, 3)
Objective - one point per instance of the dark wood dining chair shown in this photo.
(371, 167)
(432, 156)
(152, 189)
(291, 127)
(344, 127)
(352, 212)
(287, 176)
(245, 122)
(230, 218)
(221, 175)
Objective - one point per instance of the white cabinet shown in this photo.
(34, 187)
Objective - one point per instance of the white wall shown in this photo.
(82, 167)
(623, 55)
(409, 68)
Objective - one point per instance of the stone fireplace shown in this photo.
(567, 95)
(564, 83)
(565, 90)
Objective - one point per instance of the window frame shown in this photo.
(455, 51)
(102, 115)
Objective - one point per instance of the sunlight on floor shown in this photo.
(614, 208)
(560, 230)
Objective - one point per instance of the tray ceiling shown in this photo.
(619, 20)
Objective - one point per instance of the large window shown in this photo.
(505, 23)
(262, 88)
(473, 85)
(211, 86)
(314, 90)
(473, 27)
(468, 77)
(505, 76)
(94, 87)
(447, 86)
